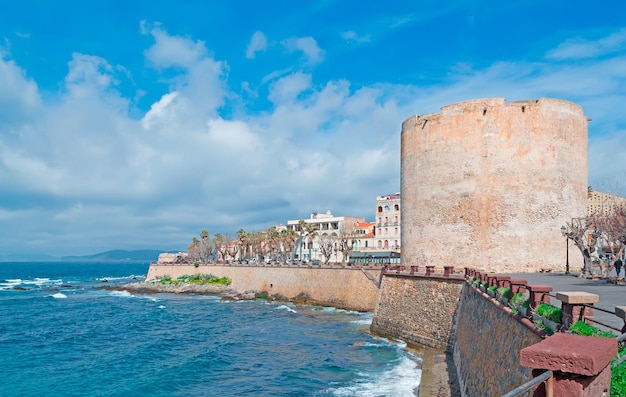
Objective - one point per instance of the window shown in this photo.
(386, 243)
(396, 207)
(386, 208)
(380, 209)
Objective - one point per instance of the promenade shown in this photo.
(610, 295)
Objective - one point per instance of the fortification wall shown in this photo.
(347, 288)
(483, 176)
(488, 341)
(417, 310)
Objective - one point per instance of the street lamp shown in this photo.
(563, 232)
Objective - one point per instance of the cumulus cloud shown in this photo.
(82, 163)
(257, 43)
(308, 46)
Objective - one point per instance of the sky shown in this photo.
(137, 124)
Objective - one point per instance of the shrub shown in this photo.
(519, 300)
(550, 312)
(504, 292)
(492, 288)
(584, 329)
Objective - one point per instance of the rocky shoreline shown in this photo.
(226, 293)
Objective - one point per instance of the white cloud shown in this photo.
(313, 53)
(352, 37)
(258, 43)
(581, 48)
(82, 164)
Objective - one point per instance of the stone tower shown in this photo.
(488, 184)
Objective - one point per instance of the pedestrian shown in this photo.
(618, 266)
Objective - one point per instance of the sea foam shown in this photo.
(59, 295)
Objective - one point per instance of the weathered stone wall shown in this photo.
(418, 310)
(346, 288)
(487, 346)
(483, 174)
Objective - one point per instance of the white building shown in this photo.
(307, 245)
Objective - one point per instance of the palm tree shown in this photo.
(288, 239)
(301, 231)
(311, 233)
(206, 245)
(244, 242)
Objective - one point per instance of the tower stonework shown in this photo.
(488, 183)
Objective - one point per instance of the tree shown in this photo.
(584, 233)
(193, 251)
(301, 232)
(346, 241)
(206, 249)
(613, 236)
(327, 247)
(244, 243)
(311, 233)
(288, 239)
(221, 246)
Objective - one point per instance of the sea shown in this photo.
(62, 334)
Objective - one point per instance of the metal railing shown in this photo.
(531, 384)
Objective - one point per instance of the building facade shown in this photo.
(388, 222)
(307, 247)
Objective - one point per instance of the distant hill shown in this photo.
(118, 255)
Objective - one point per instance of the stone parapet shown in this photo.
(581, 364)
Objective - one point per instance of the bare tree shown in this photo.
(327, 247)
(346, 241)
(584, 233)
(613, 237)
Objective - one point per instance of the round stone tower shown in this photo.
(488, 184)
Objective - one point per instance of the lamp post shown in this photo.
(563, 232)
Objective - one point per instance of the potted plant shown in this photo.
(484, 286)
(584, 329)
(519, 304)
(503, 294)
(491, 291)
(548, 316)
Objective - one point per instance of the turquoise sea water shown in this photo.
(61, 335)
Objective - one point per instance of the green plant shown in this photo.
(618, 373)
(196, 265)
(519, 300)
(550, 312)
(485, 285)
(504, 292)
(492, 288)
(584, 329)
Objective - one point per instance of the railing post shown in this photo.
(573, 306)
(448, 270)
(517, 285)
(538, 294)
(414, 269)
(502, 281)
(581, 364)
(429, 270)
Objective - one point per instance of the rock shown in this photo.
(228, 298)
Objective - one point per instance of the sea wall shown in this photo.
(478, 339)
(488, 341)
(418, 310)
(349, 288)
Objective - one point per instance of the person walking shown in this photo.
(618, 266)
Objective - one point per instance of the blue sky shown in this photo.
(137, 124)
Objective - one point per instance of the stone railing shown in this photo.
(581, 364)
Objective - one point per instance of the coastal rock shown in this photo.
(180, 288)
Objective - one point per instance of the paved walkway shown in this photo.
(610, 295)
